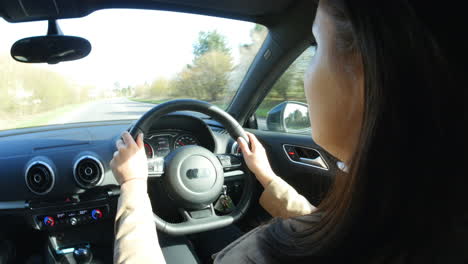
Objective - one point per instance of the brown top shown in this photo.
(282, 200)
(136, 240)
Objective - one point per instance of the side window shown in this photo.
(284, 109)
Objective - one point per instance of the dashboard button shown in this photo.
(96, 214)
(49, 221)
(73, 221)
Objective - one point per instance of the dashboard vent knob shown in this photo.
(40, 177)
(88, 172)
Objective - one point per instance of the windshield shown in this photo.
(139, 58)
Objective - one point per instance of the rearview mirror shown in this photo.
(289, 117)
(50, 49)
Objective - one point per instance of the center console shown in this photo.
(71, 218)
(78, 228)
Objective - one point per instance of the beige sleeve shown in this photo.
(281, 200)
(136, 240)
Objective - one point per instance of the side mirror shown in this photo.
(290, 117)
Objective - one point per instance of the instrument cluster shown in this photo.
(159, 144)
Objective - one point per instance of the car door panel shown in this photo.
(306, 176)
(309, 180)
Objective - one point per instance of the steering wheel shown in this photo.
(194, 176)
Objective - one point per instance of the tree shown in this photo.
(247, 54)
(211, 72)
(291, 83)
(142, 90)
(283, 85)
(210, 41)
(208, 76)
(160, 86)
(28, 89)
(183, 83)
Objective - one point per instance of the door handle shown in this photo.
(316, 162)
(305, 156)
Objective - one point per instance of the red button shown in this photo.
(49, 221)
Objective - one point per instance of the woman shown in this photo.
(383, 91)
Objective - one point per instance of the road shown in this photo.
(112, 109)
(109, 109)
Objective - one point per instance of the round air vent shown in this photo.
(88, 172)
(40, 177)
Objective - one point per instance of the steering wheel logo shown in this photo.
(198, 173)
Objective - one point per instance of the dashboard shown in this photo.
(55, 177)
(56, 162)
(56, 184)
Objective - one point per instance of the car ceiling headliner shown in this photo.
(260, 11)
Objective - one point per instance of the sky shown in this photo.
(130, 46)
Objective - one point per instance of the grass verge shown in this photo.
(40, 119)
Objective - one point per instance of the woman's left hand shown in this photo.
(129, 162)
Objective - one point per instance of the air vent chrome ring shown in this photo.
(235, 148)
(88, 172)
(39, 177)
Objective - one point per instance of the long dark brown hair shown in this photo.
(405, 197)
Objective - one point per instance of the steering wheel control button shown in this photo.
(230, 162)
(156, 167)
(96, 214)
(225, 161)
(49, 221)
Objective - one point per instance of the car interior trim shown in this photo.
(318, 162)
(228, 174)
(99, 164)
(12, 205)
(52, 175)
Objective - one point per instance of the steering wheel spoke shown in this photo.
(156, 167)
(195, 215)
(230, 162)
(234, 175)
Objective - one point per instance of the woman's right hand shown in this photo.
(129, 162)
(256, 159)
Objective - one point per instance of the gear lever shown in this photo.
(82, 255)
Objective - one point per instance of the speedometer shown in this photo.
(185, 140)
(149, 150)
